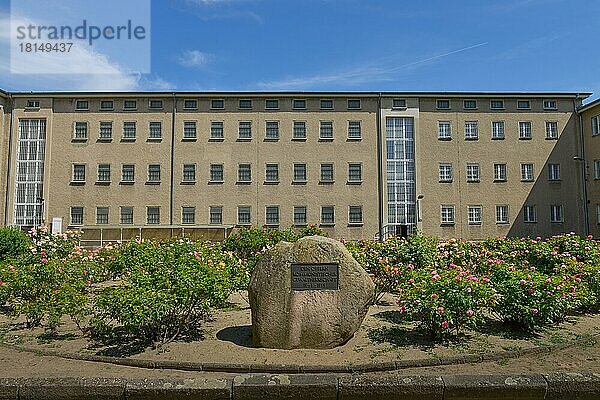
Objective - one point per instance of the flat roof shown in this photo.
(588, 106)
(178, 94)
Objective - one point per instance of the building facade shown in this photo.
(590, 163)
(357, 164)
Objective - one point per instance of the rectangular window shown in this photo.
(272, 130)
(216, 215)
(154, 173)
(271, 104)
(556, 213)
(130, 105)
(188, 215)
(327, 215)
(474, 213)
(245, 130)
(549, 105)
(596, 125)
(272, 173)
(354, 172)
(299, 130)
(529, 214)
(81, 131)
(598, 214)
(354, 104)
(326, 104)
(153, 215)
(445, 172)
(355, 215)
(596, 169)
(217, 104)
(300, 215)
(126, 215)
(190, 104)
(502, 214)
(244, 173)
(444, 130)
(299, 173)
(245, 104)
(104, 173)
(106, 130)
(443, 104)
(326, 130)
(399, 103)
(127, 173)
(129, 130)
(525, 130)
(102, 215)
(33, 104)
(82, 105)
(78, 172)
(499, 172)
(470, 104)
(498, 130)
(523, 105)
(527, 172)
(471, 132)
(497, 104)
(155, 130)
(326, 173)
(76, 215)
(299, 104)
(272, 215)
(189, 130)
(354, 130)
(107, 105)
(189, 173)
(554, 172)
(551, 130)
(216, 130)
(155, 104)
(473, 173)
(447, 214)
(216, 173)
(244, 215)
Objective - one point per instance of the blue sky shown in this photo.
(388, 45)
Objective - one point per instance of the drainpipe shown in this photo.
(586, 219)
(9, 161)
(379, 171)
(172, 193)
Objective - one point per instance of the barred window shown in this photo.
(299, 104)
(106, 130)
(76, 215)
(473, 172)
(127, 215)
(81, 130)
(189, 173)
(502, 214)
(155, 104)
(354, 130)
(327, 215)
(245, 130)
(103, 172)
(129, 129)
(190, 104)
(326, 104)
(447, 214)
(244, 215)
(527, 172)
(444, 130)
(128, 173)
(155, 130)
(551, 130)
(244, 173)
(355, 215)
(326, 130)
(217, 104)
(299, 130)
(216, 172)
(102, 215)
(300, 215)
(498, 130)
(271, 104)
(153, 173)
(216, 130)
(353, 104)
(556, 213)
(82, 105)
(78, 172)
(272, 215)
(245, 104)
(272, 173)
(354, 172)
(327, 172)
(272, 130)
(299, 172)
(499, 172)
(471, 132)
(474, 213)
(497, 104)
(529, 214)
(189, 130)
(524, 130)
(445, 172)
(216, 215)
(153, 215)
(554, 172)
(106, 105)
(188, 215)
(130, 104)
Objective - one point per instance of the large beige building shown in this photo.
(357, 164)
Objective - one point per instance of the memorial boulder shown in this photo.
(308, 294)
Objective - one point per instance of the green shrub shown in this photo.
(13, 243)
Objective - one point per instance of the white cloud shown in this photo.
(194, 58)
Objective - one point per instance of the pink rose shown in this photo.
(470, 313)
(535, 311)
(445, 325)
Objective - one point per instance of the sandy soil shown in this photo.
(227, 338)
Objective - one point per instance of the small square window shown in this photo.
(327, 215)
(33, 104)
(354, 104)
(216, 130)
(245, 104)
(470, 104)
(126, 216)
(443, 104)
(355, 215)
(155, 104)
(217, 104)
(76, 216)
(550, 105)
(101, 215)
(216, 173)
(497, 104)
(244, 215)
(271, 104)
(272, 215)
(299, 104)
(326, 104)
(523, 105)
(399, 103)
(153, 215)
(190, 104)
(130, 105)
(300, 215)
(82, 105)
(188, 215)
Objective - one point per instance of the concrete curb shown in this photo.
(299, 368)
(551, 386)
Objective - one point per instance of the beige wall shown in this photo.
(5, 113)
(592, 153)
(539, 151)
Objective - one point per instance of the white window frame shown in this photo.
(473, 172)
(596, 125)
(529, 214)
(447, 214)
(475, 214)
(471, 130)
(551, 130)
(500, 172)
(525, 128)
(554, 172)
(527, 174)
(557, 213)
(444, 130)
(445, 172)
(502, 214)
(498, 130)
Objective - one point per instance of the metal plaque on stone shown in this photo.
(315, 277)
